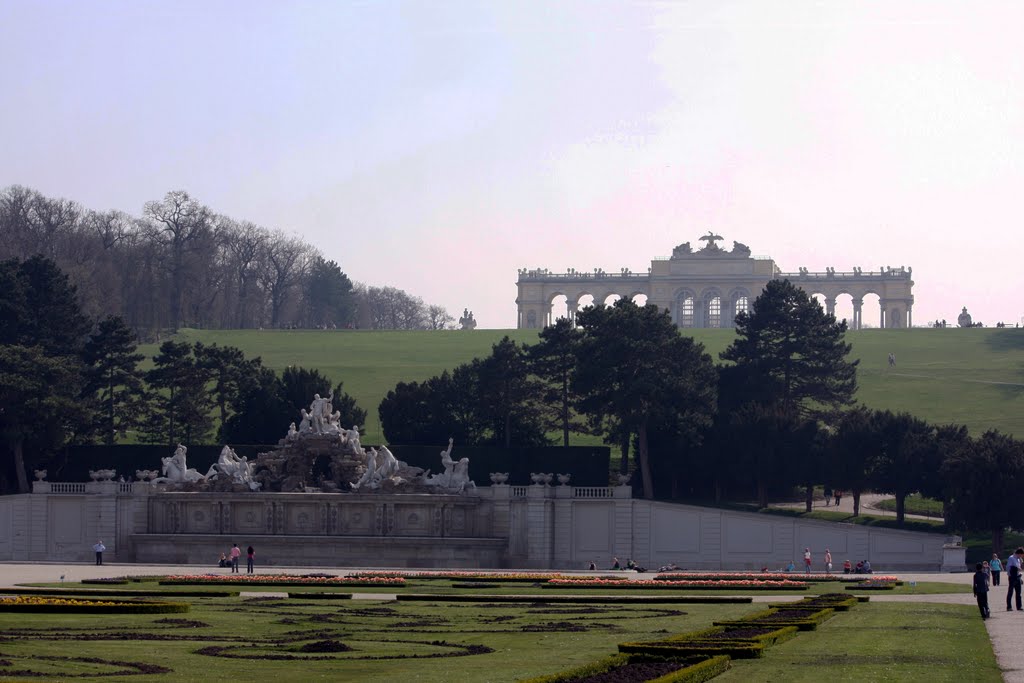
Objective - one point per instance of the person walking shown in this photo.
(828, 496)
(828, 561)
(981, 590)
(98, 549)
(838, 497)
(807, 560)
(997, 568)
(1013, 575)
(249, 555)
(235, 554)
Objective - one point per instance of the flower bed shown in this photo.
(525, 577)
(280, 580)
(662, 585)
(35, 603)
(637, 669)
(588, 599)
(769, 576)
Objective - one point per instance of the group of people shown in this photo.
(988, 574)
(862, 567)
(630, 564)
(230, 559)
(830, 495)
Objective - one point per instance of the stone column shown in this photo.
(539, 527)
(910, 315)
(572, 307)
(830, 305)
(857, 304)
(882, 303)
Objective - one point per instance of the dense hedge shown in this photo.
(734, 649)
(693, 669)
(588, 465)
(767, 618)
(773, 637)
(118, 608)
(115, 592)
(572, 599)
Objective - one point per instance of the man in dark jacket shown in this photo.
(981, 590)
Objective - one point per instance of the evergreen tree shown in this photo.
(113, 381)
(228, 368)
(635, 366)
(507, 397)
(794, 353)
(984, 477)
(179, 399)
(259, 412)
(330, 299)
(854, 444)
(898, 465)
(553, 360)
(39, 307)
(39, 406)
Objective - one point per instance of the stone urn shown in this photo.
(624, 478)
(40, 474)
(563, 479)
(102, 475)
(499, 478)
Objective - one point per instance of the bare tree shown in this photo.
(179, 223)
(244, 243)
(283, 264)
(438, 318)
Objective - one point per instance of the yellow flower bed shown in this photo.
(50, 603)
(37, 600)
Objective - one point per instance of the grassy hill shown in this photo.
(968, 376)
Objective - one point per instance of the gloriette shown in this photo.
(708, 287)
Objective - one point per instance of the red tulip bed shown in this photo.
(280, 580)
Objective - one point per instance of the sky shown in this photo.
(440, 146)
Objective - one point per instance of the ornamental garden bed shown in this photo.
(766, 576)
(281, 580)
(39, 604)
(573, 599)
(871, 586)
(114, 592)
(803, 619)
(764, 634)
(686, 585)
(638, 669)
(504, 577)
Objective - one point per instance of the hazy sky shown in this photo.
(439, 146)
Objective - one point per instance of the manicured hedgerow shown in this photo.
(681, 670)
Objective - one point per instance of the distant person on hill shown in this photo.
(981, 590)
(892, 360)
(997, 568)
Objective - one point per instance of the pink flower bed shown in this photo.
(471, 575)
(769, 576)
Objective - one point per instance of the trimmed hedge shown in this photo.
(872, 587)
(734, 649)
(808, 623)
(118, 608)
(113, 593)
(694, 669)
(773, 637)
(573, 599)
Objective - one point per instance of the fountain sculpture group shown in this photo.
(318, 455)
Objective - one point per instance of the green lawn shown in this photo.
(881, 642)
(915, 504)
(968, 376)
(874, 641)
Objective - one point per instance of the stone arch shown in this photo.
(685, 307)
(605, 299)
(711, 313)
(639, 298)
(739, 301)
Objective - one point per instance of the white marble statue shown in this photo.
(231, 468)
(351, 440)
(304, 424)
(175, 469)
(455, 478)
(320, 411)
(387, 463)
(293, 432)
(370, 479)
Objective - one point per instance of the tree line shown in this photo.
(776, 413)
(65, 379)
(182, 264)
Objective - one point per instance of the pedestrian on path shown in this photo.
(1013, 566)
(235, 554)
(981, 590)
(98, 549)
(250, 554)
(828, 561)
(997, 568)
(839, 496)
(807, 560)
(828, 496)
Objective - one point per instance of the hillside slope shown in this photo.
(969, 376)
